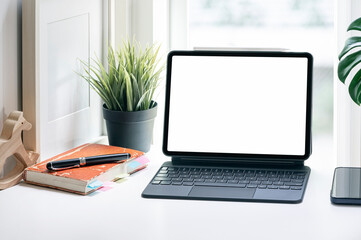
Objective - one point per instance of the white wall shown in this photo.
(10, 62)
(10, 57)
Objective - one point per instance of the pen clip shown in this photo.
(63, 168)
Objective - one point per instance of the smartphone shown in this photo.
(346, 186)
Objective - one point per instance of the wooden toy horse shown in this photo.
(11, 144)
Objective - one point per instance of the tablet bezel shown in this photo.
(239, 157)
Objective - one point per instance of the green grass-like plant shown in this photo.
(348, 61)
(131, 80)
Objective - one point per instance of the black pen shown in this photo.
(86, 161)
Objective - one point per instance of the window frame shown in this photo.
(347, 115)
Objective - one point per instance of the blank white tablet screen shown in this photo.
(233, 104)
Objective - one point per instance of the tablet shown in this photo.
(238, 106)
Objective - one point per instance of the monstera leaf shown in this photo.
(349, 61)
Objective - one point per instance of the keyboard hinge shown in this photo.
(207, 161)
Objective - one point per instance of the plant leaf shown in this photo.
(355, 25)
(129, 92)
(355, 88)
(347, 64)
(350, 43)
(130, 78)
(141, 100)
(136, 94)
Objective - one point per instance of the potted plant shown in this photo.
(127, 88)
(348, 61)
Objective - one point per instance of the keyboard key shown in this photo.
(187, 180)
(218, 177)
(198, 180)
(194, 169)
(228, 178)
(249, 175)
(162, 179)
(206, 173)
(184, 175)
(266, 183)
(210, 181)
(205, 170)
(221, 181)
(284, 187)
(155, 182)
(165, 182)
(162, 175)
(285, 179)
(262, 178)
(255, 182)
(278, 183)
(296, 188)
(272, 187)
(232, 181)
(273, 179)
(177, 179)
(239, 178)
(173, 175)
(207, 177)
(262, 186)
(293, 184)
(244, 182)
(251, 186)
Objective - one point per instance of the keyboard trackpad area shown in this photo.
(222, 192)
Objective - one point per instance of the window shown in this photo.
(298, 25)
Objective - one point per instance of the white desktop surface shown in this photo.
(31, 212)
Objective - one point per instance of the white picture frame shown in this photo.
(63, 110)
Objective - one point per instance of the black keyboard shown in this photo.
(231, 177)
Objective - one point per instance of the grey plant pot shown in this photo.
(130, 129)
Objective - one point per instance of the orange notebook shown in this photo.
(81, 180)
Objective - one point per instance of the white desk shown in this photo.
(30, 212)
